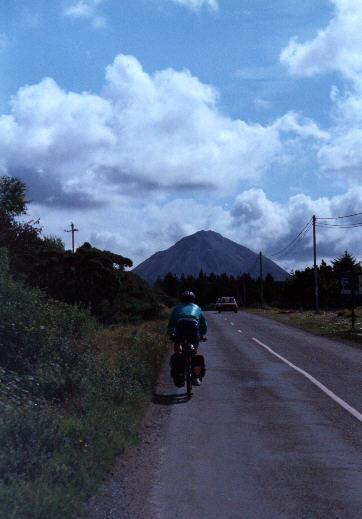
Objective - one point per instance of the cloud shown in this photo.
(86, 9)
(198, 4)
(265, 225)
(160, 132)
(341, 156)
(337, 47)
(302, 126)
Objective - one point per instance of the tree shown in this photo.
(52, 242)
(12, 196)
(345, 263)
(90, 277)
(22, 239)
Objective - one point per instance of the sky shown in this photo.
(144, 121)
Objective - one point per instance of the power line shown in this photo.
(343, 226)
(337, 217)
(301, 235)
(308, 226)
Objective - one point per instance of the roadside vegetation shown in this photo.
(335, 324)
(82, 342)
(72, 395)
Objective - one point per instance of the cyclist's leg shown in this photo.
(177, 369)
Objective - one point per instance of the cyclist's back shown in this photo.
(187, 322)
(184, 311)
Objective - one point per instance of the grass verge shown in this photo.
(335, 324)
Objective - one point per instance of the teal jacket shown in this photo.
(187, 310)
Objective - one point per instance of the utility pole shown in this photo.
(261, 279)
(353, 315)
(72, 230)
(315, 268)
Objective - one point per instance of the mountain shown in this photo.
(211, 252)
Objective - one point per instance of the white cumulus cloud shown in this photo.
(143, 132)
(337, 47)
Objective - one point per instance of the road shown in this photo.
(259, 438)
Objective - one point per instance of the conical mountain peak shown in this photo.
(208, 251)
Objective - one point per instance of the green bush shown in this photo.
(41, 337)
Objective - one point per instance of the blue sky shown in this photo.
(146, 120)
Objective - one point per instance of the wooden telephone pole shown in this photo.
(315, 268)
(72, 230)
(261, 279)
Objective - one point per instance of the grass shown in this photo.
(72, 397)
(335, 324)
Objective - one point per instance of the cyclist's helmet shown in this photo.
(188, 297)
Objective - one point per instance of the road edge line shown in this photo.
(314, 381)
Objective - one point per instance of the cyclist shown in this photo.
(187, 321)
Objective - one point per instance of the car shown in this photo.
(226, 304)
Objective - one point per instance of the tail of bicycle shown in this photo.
(194, 371)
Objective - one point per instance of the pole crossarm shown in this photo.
(72, 230)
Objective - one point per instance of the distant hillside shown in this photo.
(211, 252)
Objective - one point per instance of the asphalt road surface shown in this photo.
(273, 432)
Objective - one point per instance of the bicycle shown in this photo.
(188, 350)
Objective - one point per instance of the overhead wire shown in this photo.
(301, 235)
(338, 217)
(308, 226)
(343, 226)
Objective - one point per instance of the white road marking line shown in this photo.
(314, 381)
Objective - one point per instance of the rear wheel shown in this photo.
(188, 381)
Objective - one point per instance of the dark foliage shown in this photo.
(210, 287)
(95, 279)
(345, 263)
(22, 239)
(296, 292)
(12, 196)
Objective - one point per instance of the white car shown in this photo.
(226, 304)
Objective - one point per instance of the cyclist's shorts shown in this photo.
(187, 328)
